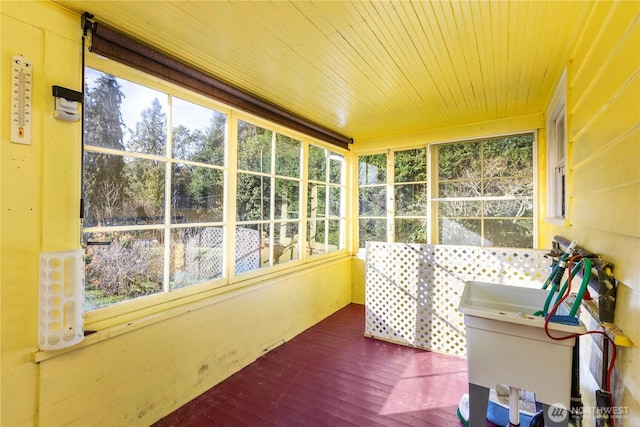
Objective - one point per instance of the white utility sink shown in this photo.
(507, 345)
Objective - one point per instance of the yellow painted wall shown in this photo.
(24, 180)
(142, 374)
(603, 108)
(137, 377)
(144, 371)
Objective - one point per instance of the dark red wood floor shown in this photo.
(331, 375)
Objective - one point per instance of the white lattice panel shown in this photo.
(203, 254)
(203, 258)
(247, 250)
(413, 291)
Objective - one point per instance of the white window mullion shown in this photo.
(272, 201)
(354, 192)
(431, 181)
(390, 197)
(327, 199)
(343, 205)
(304, 185)
(482, 195)
(535, 191)
(230, 198)
(167, 201)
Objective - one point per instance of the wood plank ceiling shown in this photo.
(368, 69)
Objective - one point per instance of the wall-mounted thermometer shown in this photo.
(21, 97)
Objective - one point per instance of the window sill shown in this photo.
(560, 222)
(180, 306)
(93, 337)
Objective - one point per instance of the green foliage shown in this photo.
(411, 199)
(186, 143)
(211, 145)
(253, 197)
(334, 233)
(287, 156)
(509, 156)
(253, 189)
(373, 201)
(103, 173)
(337, 168)
(317, 163)
(254, 148)
(150, 133)
(372, 230)
(459, 161)
(372, 169)
(198, 192)
(509, 233)
(206, 193)
(287, 198)
(146, 189)
(102, 113)
(410, 165)
(410, 230)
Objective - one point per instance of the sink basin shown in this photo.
(511, 304)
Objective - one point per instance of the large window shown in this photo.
(481, 194)
(268, 198)
(326, 202)
(484, 194)
(153, 195)
(410, 203)
(157, 192)
(372, 198)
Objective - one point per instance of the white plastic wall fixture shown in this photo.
(60, 319)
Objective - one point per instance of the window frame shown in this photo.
(432, 183)
(557, 166)
(435, 225)
(273, 220)
(132, 309)
(388, 189)
(328, 216)
(124, 72)
(394, 185)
